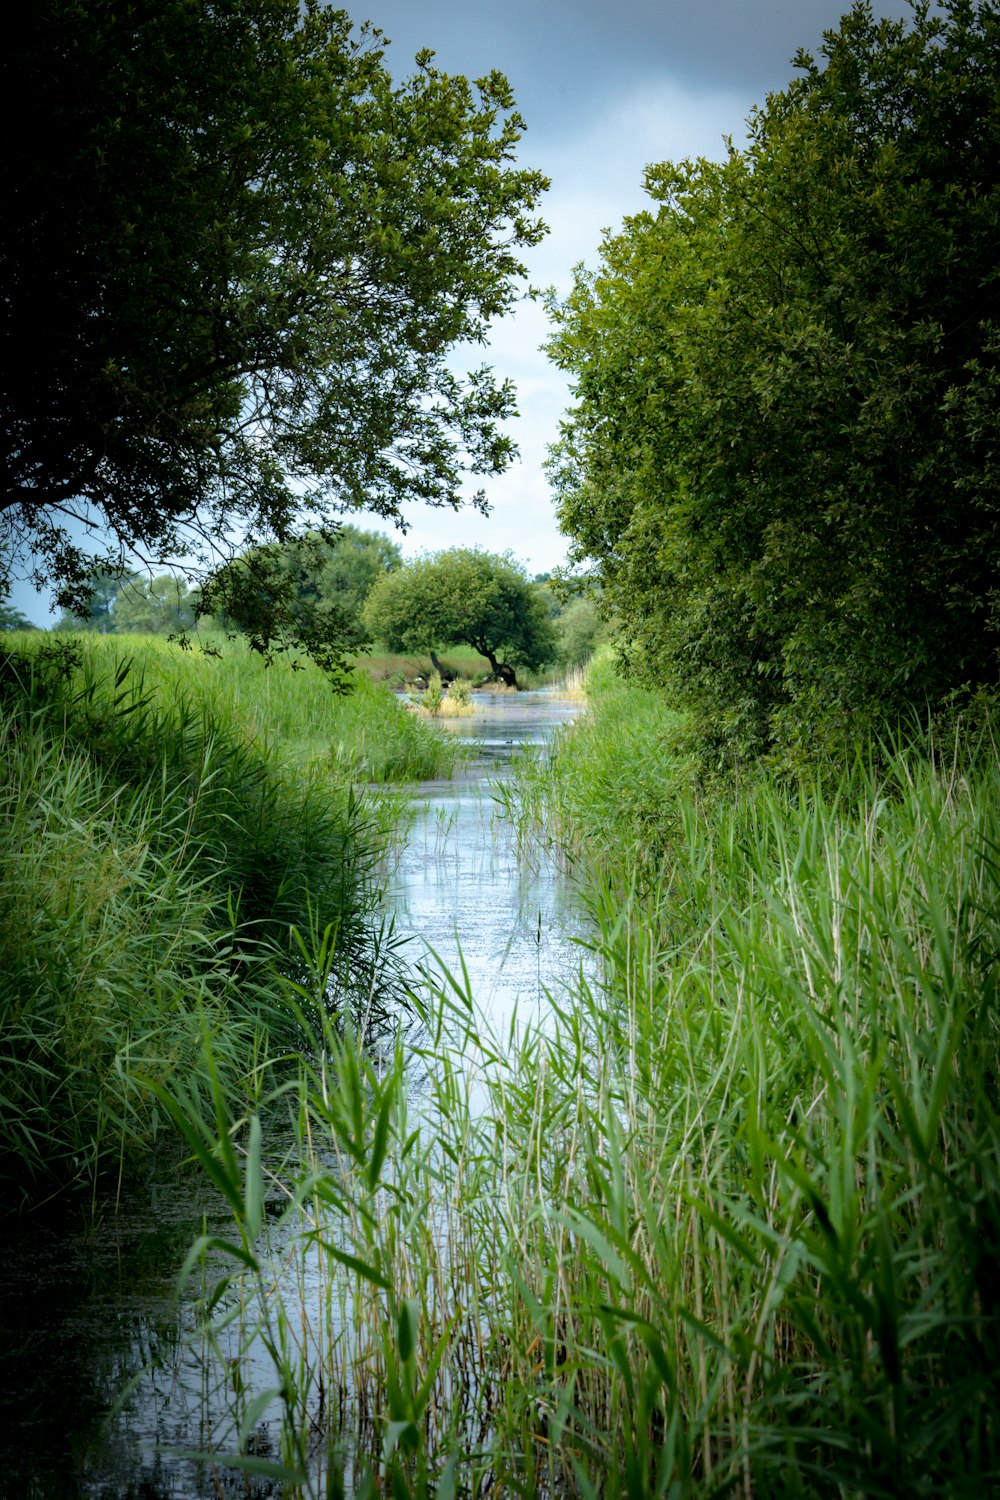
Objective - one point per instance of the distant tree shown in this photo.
(784, 451)
(158, 606)
(308, 592)
(464, 597)
(100, 589)
(126, 603)
(580, 630)
(13, 619)
(353, 562)
(236, 257)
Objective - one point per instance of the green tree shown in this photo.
(580, 629)
(307, 592)
(353, 562)
(13, 619)
(464, 597)
(128, 603)
(236, 257)
(101, 588)
(783, 454)
(163, 605)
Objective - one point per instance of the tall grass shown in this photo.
(726, 1224)
(165, 822)
(613, 780)
(289, 708)
(116, 960)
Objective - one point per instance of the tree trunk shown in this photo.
(442, 672)
(501, 670)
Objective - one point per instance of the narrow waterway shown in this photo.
(87, 1316)
(460, 893)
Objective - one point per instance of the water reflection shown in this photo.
(83, 1314)
(460, 890)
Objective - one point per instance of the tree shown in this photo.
(308, 592)
(782, 459)
(101, 588)
(235, 257)
(163, 605)
(129, 603)
(463, 597)
(13, 619)
(331, 571)
(581, 630)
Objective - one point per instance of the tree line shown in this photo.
(346, 590)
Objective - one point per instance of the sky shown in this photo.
(605, 89)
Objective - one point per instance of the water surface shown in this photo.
(459, 888)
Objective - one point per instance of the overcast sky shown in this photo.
(605, 89)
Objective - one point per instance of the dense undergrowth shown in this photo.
(166, 820)
(727, 1222)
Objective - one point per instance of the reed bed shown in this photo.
(288, 706)
(166, 821)
(725, 1224)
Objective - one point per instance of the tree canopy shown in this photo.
(464, 597)
(236, 256)
(125, 603)
(783, 455)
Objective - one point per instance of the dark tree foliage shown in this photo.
(785, 452)
(235, 256)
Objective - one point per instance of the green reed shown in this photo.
(725, 1222)
(161, 834)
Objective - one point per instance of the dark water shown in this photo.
(88, 1313)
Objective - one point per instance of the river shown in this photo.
(87, 1311)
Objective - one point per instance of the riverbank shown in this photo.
(712, 1212)
(166, 819)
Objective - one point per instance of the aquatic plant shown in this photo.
(431, 699)
(725, 1223)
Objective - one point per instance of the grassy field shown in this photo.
(727, 1222)
(168, 820)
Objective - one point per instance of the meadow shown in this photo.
(727, 1221)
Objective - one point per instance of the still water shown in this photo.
(87, 1315)
(460, 893)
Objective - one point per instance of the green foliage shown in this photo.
(434, 696)
(123, 602)
(617, 777)
(463, 596)
(460, 695)
(13, 619)
(725, 1222)
(116, 958)
(101, 588)
(303, 594)
(166, 820)
(253, 253)
(782, 456)
(581, 630)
